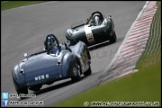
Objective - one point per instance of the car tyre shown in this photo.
(22, 91)
(113, 38)
(35, 87)
(88, 72)
(76, 69)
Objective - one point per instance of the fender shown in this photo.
(111, 27)
(18, 78)
(67, 62)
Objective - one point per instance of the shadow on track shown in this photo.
(60, 85)
(103, 44)
(55, 87)
(100, 45)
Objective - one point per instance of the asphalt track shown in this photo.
(24, 30)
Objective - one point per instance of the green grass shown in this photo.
(153, 48)
(14, 4)
(144, 85)
(141, 86)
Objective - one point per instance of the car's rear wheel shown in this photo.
(35, 87)
(113, 38)
(76, 72)
(88, 72)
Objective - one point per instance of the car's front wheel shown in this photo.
(76, 72)
(22, 91)
(35, 87)
(113, 38)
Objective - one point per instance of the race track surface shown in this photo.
(24, 30)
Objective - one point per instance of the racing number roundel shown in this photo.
(89, 34)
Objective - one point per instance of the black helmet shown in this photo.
(51, 41)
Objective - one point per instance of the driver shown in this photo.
(95, 19)
(51, 45)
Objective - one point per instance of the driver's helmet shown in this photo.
(50, 42)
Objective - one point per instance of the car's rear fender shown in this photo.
(111, 25)
(68, 61)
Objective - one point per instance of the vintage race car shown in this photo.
(56, 62)
(94, 30)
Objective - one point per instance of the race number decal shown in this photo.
(89, 34)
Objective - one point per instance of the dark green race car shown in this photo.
(96, 29)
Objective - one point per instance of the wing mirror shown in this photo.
(25, 55)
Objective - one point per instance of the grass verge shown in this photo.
(14, 4)
(143, 86)
(153, 48)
